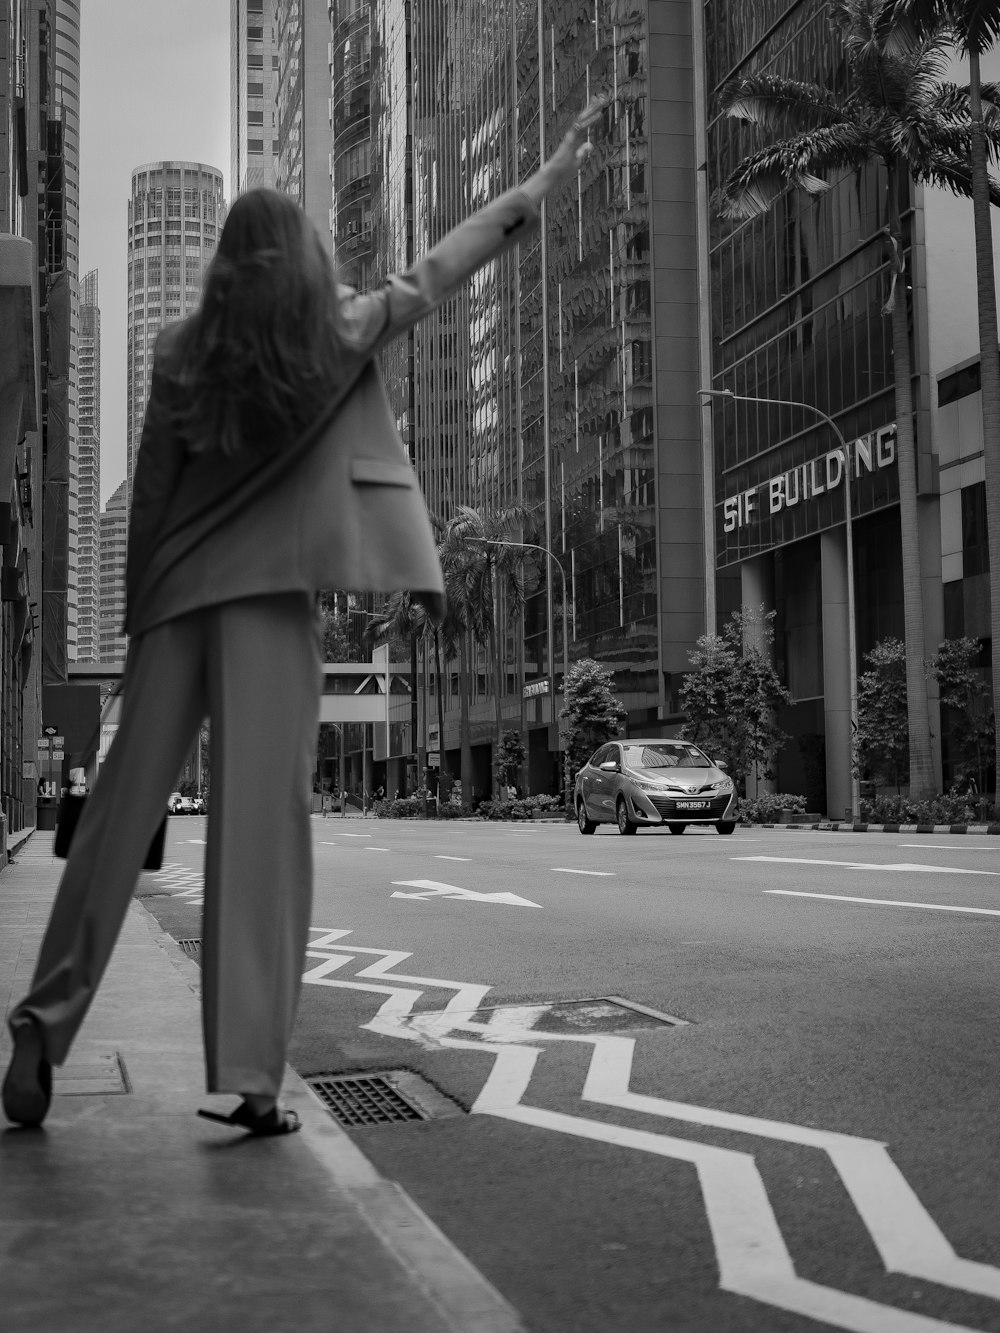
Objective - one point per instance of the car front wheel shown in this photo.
(625, 824)
(725, 826)
(584, 824)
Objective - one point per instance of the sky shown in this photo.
(154, 85)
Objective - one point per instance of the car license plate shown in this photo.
(691, 805)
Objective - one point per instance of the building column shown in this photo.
(836, 675)
(757, 590)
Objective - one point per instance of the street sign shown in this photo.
(433, 759)
(50, 731)
(43, 743)
(58, 754)
(534, 688)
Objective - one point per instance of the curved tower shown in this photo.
(175, 215)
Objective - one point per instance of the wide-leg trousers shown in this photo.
(253, 667)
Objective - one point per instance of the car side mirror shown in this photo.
(609, 766)
(719, 763)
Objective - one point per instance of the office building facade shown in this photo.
(35, 311)
(796, 313)
(113, 550)
(563, 379)
(252, 72)
(175, 215)
(88, 471)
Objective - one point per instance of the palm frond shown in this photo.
(801, 162)
(955, 174)
(773, 103)
(977, 24)
(950, 101)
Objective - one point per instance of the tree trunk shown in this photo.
(499, 786)
(922, 783)
(439, 699)
(989, 370)
(465, 736)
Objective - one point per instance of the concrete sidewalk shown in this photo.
(126, 1211)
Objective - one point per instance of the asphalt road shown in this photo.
(813, 1145)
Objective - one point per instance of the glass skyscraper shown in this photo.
(563, 378)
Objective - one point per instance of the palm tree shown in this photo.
(898, 110)
(976, 28)
(484, 572)
(404, 617)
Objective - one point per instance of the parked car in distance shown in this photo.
(172, 802)
(648, 783)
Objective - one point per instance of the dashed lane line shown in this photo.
(886, 902)
(908, 867)
(568, 870)
(945, 847)
(438, 856)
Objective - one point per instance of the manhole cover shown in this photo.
(604, 1013)
(381, 1097)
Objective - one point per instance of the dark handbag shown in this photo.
(70, 809)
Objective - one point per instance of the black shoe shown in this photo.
(27, 1089)
(275, 1121)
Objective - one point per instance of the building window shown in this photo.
(975, 546)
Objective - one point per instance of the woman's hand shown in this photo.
(572, 152)
(576, 147)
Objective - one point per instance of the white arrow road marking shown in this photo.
(886, 902)
(567, 870)
(865, 865)
(431, 888)
(752, 1256)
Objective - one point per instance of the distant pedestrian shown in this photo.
(270, 467)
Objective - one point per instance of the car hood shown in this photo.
(690, 779)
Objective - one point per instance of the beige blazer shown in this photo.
(341, 508)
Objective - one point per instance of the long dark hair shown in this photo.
(264, 352)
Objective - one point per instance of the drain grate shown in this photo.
(364, 1099)
(192, 948)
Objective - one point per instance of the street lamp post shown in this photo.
(531, 546)
(852, 651)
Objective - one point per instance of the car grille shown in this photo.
(666, 806)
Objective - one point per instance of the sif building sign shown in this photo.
(787, 504)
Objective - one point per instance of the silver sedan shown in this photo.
(648, 783)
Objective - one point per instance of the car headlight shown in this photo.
(645, 785)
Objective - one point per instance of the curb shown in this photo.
(466, 1301)
(841, 826)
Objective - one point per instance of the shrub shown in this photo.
(952, 808)
(767, 807)
(520, 809)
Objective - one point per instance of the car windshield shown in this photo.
(666, 754)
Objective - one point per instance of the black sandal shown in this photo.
(275, 1121)
(27, 1089)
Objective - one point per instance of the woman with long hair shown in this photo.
(270, 467)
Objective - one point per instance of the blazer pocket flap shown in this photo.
(378, 472)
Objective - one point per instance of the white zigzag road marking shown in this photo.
(752, 1256)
